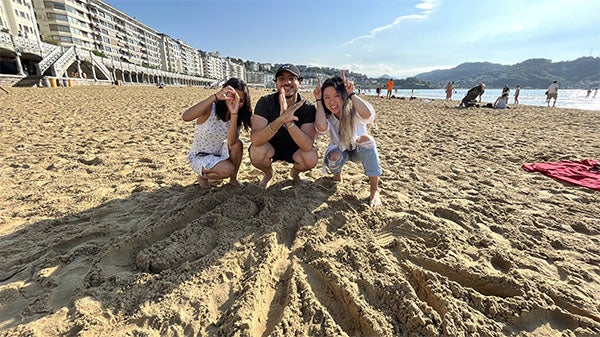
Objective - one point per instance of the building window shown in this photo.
(60, 28)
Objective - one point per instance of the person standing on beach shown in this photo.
(390, 87)
(216, 151)
(283, 128)
(346, 116)
(517, 92)
(552, 92)
(449, 89)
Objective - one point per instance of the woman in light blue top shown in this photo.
(216, 151)
(346, 116)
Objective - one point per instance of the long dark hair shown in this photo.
(346, 115)
(245, 112)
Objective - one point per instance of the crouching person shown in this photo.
(346, 116)
(217, 150)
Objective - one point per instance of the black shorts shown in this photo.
(281, 153)
(284, 153)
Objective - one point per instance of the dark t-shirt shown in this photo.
(269, 108)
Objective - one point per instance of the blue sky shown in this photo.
(400, 38)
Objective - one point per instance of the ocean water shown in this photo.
(567, 98)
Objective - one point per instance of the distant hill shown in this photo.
(581, 73)
(363, 80)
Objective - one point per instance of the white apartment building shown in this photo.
(96, 25)
(213, 65)
(192, 63)
(17, 18)
(108, 32)
(233, 69)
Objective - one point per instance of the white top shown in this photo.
(210, 145)
(502, 102)
(360, 128)
(553, 88)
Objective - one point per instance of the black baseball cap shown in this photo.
(289, 68)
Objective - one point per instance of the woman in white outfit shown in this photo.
(346, 116)
(216, 151)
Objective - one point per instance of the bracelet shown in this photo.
(351, 94)
(216, 98)
(289, 127)
(271, 129)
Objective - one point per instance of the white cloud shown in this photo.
(425, 5)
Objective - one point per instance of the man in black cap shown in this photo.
(283, 128)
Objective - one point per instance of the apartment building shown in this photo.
(178, 57)
(213, 65)
(101, 28)
(98, 26)
(17, 18)
(234, 68)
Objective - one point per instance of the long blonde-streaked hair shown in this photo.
(347, 113)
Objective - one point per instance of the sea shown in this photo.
(567, 98)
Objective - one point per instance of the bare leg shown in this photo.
(261, 158)
(203, 182)
(267, 178)
(303, 161)
(295, 174)
(374, 198)
(235, 156)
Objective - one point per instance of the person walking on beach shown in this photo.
(390, 87)
(346, 116)
(517, 92)
(552, 93)
(216, 151)
(449, 89)
(283, 128)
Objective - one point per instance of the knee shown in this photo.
(237, 146)
(366, 142)
(333, 160)
(259, 155)
(334, 156)
(306, 159)
(228, 168)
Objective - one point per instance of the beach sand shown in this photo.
(104, 231)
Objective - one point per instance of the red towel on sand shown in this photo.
(584, 173)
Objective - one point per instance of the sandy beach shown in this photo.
(104, 231)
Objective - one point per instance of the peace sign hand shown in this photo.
(317, 91)
(349, 85)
